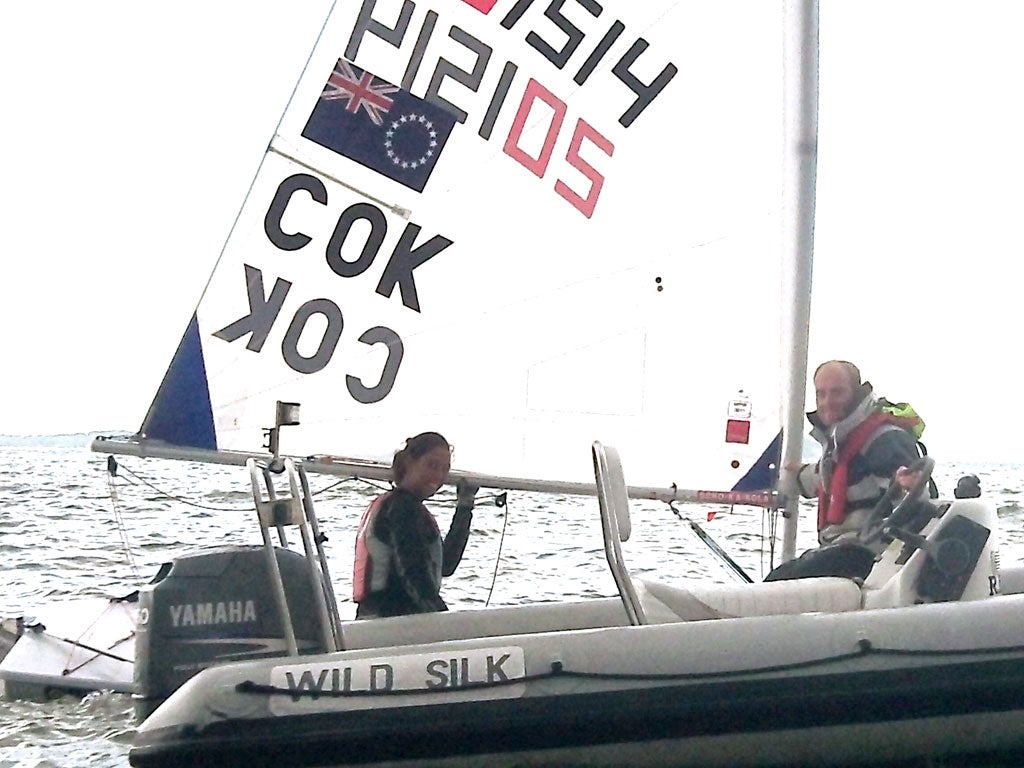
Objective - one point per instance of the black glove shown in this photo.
(465, 494)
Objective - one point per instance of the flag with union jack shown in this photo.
(359, 91)
(379, 126)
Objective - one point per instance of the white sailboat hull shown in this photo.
(73, 646)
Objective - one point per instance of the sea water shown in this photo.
(69, 528)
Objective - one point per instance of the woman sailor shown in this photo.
(400, 556)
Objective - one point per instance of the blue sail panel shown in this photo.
(763, 474)
(181, 413)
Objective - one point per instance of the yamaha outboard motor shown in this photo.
(217, 606)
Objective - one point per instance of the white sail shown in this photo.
(524, 225)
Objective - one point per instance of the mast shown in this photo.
(799, 174)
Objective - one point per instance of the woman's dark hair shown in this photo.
(414, 448)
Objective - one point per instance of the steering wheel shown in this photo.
(881, 517)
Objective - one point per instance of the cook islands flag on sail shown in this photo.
(379, 125)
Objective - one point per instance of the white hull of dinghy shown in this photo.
(74, 646)
(811, 688)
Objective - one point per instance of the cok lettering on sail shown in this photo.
(410, 252)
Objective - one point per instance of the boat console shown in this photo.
(954, 557)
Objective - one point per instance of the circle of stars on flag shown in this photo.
(406, 123)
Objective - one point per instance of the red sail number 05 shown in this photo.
(539, 165)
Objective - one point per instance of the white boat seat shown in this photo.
(484, 622)
(653, 602)
(613, 501)
(664, 603)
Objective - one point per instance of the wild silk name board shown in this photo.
(477, 674)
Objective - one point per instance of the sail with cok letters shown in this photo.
(526, 225)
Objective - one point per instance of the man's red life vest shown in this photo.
(832, 506)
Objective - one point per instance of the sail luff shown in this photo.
(801, 137)
(181, 411)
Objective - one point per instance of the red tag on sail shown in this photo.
(484, 6)
(737, 431)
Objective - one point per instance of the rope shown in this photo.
(769, 520)
(136, 479)
(501, 500)
(122, 529)
(713, 545)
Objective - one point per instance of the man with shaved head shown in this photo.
(863, 448)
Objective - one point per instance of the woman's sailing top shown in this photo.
(400, 557)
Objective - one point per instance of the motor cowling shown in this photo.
(216, 606)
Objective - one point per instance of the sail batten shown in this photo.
(396, 209)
